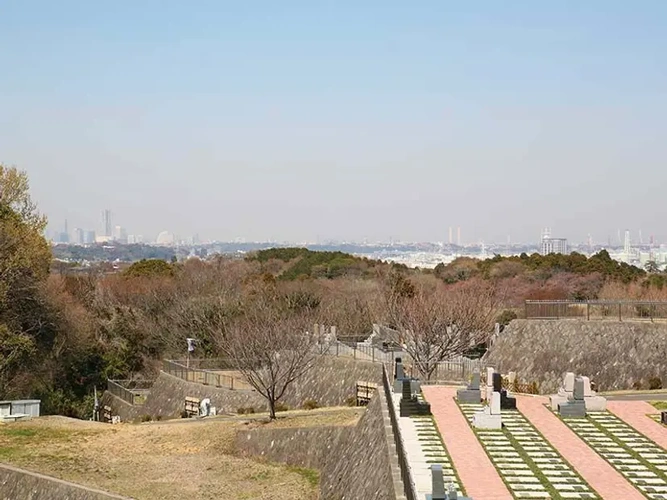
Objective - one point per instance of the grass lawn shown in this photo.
(161, 460)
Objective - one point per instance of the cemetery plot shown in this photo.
(423, 448)
(637, 458)
(527, 463)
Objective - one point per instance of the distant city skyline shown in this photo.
(453, 235)
(299, 121)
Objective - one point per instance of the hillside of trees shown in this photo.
(63, 334)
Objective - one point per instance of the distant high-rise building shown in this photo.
(626, 244)
(458, 236)
(79, 236)
(89, 237)
(552, 245)
(120, 234)
(107, 226)
(451, 236)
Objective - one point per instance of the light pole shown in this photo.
(191, 348)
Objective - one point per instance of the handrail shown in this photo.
(398, 440)
(206, 377)
(117, 388)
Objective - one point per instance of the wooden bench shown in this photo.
(364, 392)
(192, 406)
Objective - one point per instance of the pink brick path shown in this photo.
(602, 477)
(477, 473)
(634, 413)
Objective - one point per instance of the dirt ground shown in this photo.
(160, 460)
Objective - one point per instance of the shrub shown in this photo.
(184, 414)
(158, 418)
(654, 383)
(310, 404)
(637, 385)
(243, 410)
(351, 401)
(146, 418)
(281, 407)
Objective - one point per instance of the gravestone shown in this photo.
(471, 394)
(564, 392)
(592, 400)
(489, 383)
(399, 374)
(439, 492)
(489, 417)
(663, 417)
(410, 404)
(438, 483)
(497, 383)
(506, 402)
(575, 407)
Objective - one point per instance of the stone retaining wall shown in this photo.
(615, 355)
(331, 382)
(357, 462)
(19, 484)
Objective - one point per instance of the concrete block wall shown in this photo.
(330, 382)
(357, 462)
(615, 355)
(20, 484)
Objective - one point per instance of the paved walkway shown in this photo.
(477, 473)
(634, 413)
(594, 469)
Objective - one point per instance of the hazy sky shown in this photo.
(340, 119)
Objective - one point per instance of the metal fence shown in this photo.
(616, 310)
(398, 440)
(133, 392)
(455, 369)
(205, 376)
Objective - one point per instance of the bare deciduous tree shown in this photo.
(439, 322)
(271, 344)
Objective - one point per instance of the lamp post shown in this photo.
(191, 348)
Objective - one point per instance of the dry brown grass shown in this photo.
(160, 460)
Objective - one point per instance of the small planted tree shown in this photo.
(438, 323)
(271, 343)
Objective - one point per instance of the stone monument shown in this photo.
(410, 404)
(575, 407)
(489, 417)
(400, 376)
(506, 402)
(471, 394)
(439, 492)
(592, 401)
(489, 383)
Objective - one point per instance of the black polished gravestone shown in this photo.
(663, 417)
(506, 402)
(410, 405)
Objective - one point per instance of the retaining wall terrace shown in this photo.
(19, 484)
(356, 462)
(615, 355)
(330, 382)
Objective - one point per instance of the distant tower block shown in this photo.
(451, 236)
(626, 244)
(458, 236)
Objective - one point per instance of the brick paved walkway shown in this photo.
(477, 473)
(634, 413)
(599, 474)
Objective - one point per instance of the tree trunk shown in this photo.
(272, 407)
